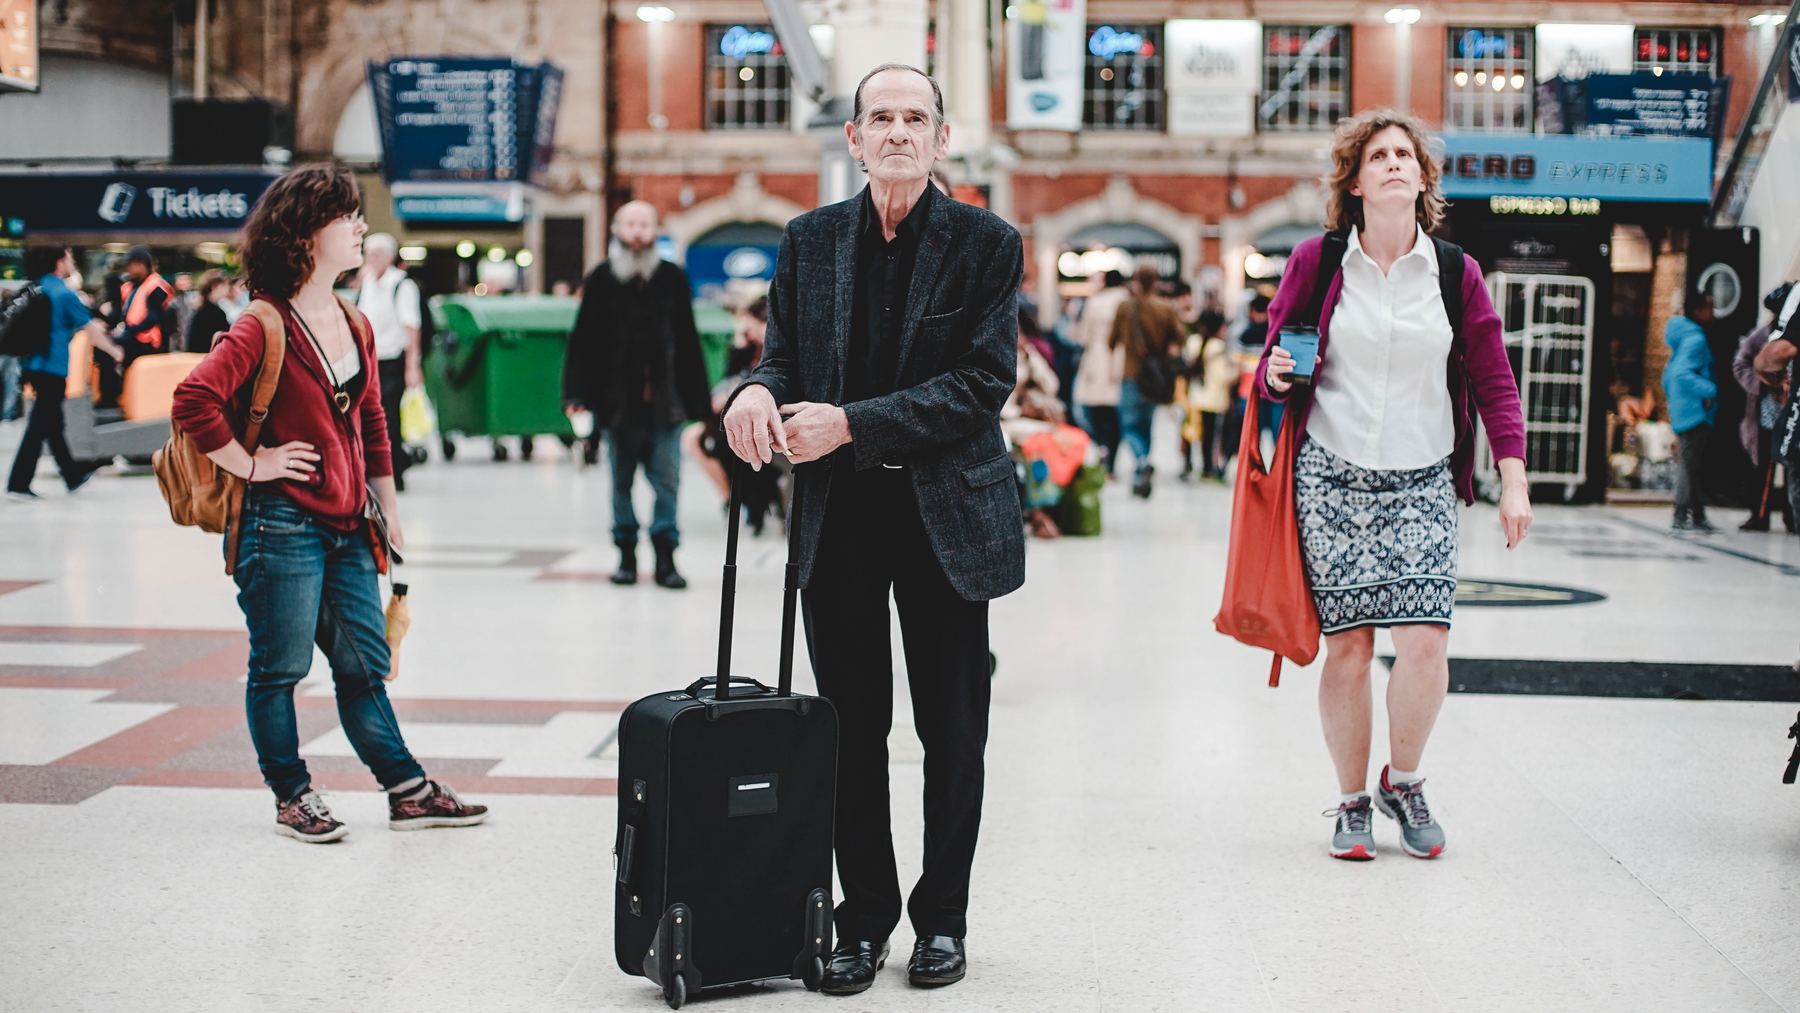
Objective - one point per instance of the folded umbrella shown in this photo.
(399, 620)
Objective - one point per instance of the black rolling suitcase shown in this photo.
(723, 852)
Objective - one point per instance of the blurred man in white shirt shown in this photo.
(391, 302)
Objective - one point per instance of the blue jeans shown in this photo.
(658, 449)
(301, 582)
(1135, 416)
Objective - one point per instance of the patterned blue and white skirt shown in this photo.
(1380, 546)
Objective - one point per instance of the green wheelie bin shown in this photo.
(497, 370)
(716, 331)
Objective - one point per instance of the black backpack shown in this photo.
(25, 322)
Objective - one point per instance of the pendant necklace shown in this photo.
(338, 394)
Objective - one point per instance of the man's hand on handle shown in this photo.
(753, 427)
(814, 430)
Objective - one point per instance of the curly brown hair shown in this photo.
(1343, 208)
(277, 246)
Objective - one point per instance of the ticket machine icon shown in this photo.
(115, 203)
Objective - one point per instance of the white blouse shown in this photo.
(1383, 399)
(348, 367)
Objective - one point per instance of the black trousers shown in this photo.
(1102, 424)
(45, 425)
(1690, 497)
(874, 542)
(393, 384)
(1212, 457)
(112, 374)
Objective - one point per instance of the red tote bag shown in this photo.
(1267, 602)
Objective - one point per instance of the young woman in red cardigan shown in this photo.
(305, 570)
(1388, 448)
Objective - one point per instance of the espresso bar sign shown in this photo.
(1627, 169)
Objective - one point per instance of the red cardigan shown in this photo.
(1479, 369)
(212, 403)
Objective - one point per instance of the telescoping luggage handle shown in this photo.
(728, 603)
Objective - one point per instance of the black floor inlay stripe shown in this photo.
(1657, 680)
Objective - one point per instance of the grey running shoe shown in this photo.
(1405, 804)
(1353, 840)
(306, 819)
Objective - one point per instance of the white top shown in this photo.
(391, 302)
(1102, 369)
(1383, 399)
(346, 368)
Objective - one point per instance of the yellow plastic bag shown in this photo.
(417, 420)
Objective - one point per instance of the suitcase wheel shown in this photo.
(677, 995)
(815, 975)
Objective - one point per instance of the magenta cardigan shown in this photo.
(1478, 363)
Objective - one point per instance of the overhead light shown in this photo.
(1518, 82)
(1462, 79)
(655, 15)
(412, 254)
(496, 254)
(1499, 83)
(1657, 71)
(465, 249)
(1767, 19)
(1402, 16)
(524, 258)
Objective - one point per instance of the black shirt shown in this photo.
(206, 322)
(884, 273)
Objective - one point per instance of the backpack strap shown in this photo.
(1331, 259)
(1450, 283)
(268, 377)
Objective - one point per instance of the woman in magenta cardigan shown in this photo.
(305, 570)
(1388, 448)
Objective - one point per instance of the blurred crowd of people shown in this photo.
(1090, 386)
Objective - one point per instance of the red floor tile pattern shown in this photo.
(203, 743)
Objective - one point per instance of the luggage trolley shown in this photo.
(1548, 326)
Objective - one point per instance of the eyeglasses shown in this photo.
(353, 219)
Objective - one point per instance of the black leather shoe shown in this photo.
(666, 574)
(937, 961)
(627, 571)
(853, 966)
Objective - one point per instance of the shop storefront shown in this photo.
(1585, 244)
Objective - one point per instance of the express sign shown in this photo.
(1628, 169)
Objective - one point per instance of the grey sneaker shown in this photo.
(1405, 804)
(1353, 840)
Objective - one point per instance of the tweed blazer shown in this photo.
(958, 361)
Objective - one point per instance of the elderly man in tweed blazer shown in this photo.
(892, 345)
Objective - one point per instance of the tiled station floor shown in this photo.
(1152, 836)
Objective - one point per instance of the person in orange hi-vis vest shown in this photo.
(148, 301)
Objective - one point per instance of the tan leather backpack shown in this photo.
(200, 493)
